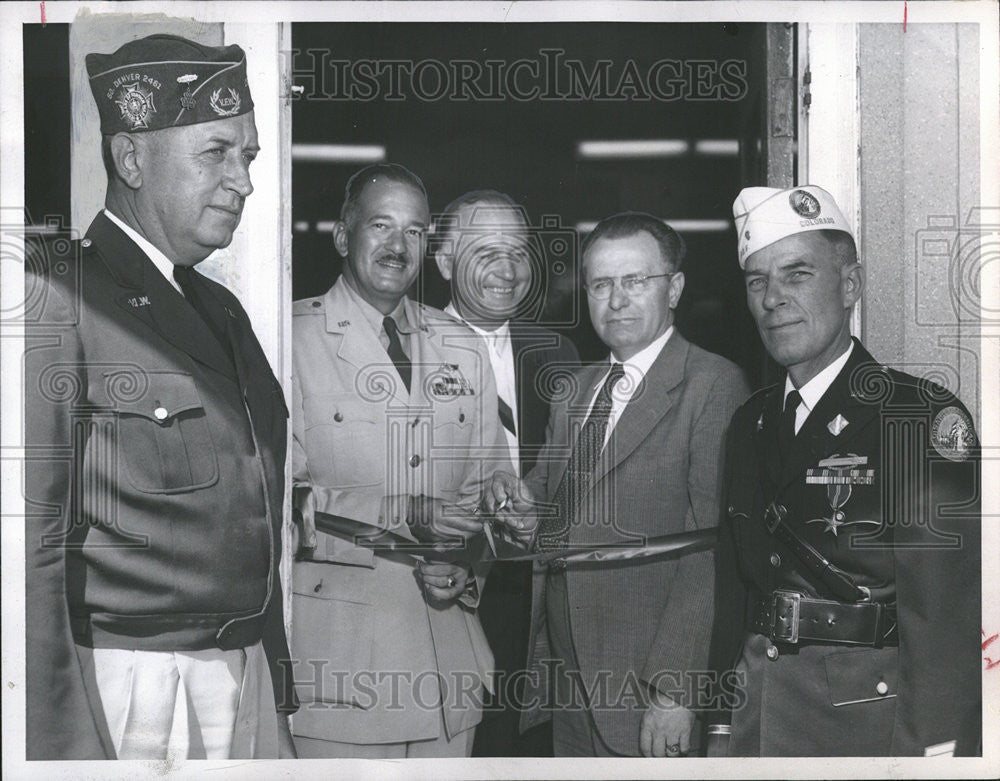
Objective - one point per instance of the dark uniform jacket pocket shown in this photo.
(164, 438)
(863, 675)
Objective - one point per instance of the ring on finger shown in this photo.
(674, 749)
(451, 582)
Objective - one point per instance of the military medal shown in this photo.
(448, 380)
(839, 474)
(187, 99)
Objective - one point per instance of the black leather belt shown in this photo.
(789, 617)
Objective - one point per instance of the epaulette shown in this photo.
(308, 306)
(434, 314)
(758, 396)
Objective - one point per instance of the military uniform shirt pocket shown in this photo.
(165, 441)
(345, 444)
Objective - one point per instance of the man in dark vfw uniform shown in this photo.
(157, 433)
(852, 532)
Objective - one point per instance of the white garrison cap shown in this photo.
(765, 215)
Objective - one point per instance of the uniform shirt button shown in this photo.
(461, 417)
(414, 461)
(882, 688)
(86, 243)
(772, 652)
(337, 416)
(775, 560)
(731, 509)
(317, 304)
(160, 413)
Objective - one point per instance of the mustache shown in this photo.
(398, 257)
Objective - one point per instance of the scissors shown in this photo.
(488, 529)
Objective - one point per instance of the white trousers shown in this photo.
(210, 704)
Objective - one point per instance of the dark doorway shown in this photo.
(507, 106)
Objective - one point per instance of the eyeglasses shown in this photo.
(633, 284)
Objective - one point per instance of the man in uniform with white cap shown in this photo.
(158, 431)
(849, 561)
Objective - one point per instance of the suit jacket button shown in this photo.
(882, 688)
(775, 560)
(86, 243)
(461, 417)
(160, 413)
(414, 461)
(337, 416)
(772, 652)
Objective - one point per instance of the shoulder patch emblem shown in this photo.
(951, 433)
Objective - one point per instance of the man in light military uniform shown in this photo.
(396, 426)
(853, 529)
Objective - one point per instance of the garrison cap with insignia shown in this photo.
(167, 81)
(765, 215)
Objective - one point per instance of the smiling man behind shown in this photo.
(487, 255)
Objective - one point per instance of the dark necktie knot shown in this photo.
(786, 428)
(396, 351)
(616, 373)
(792, 401)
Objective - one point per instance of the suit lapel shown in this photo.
(651, 401)
(153, 300)
(766, 437)
(361, 348)
(524, 370)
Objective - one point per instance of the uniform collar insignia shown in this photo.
(837, 425)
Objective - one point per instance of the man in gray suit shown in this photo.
(621, 642)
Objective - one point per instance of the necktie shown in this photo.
(506, 416)
(786, 425)
(185, 278)
(553, 533)
(505, 391)
(396, 352)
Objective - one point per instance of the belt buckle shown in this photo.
(792, 635)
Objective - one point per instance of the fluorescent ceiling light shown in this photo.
(338, 153)
(717, 147)
(612, 150)
(681, 226)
